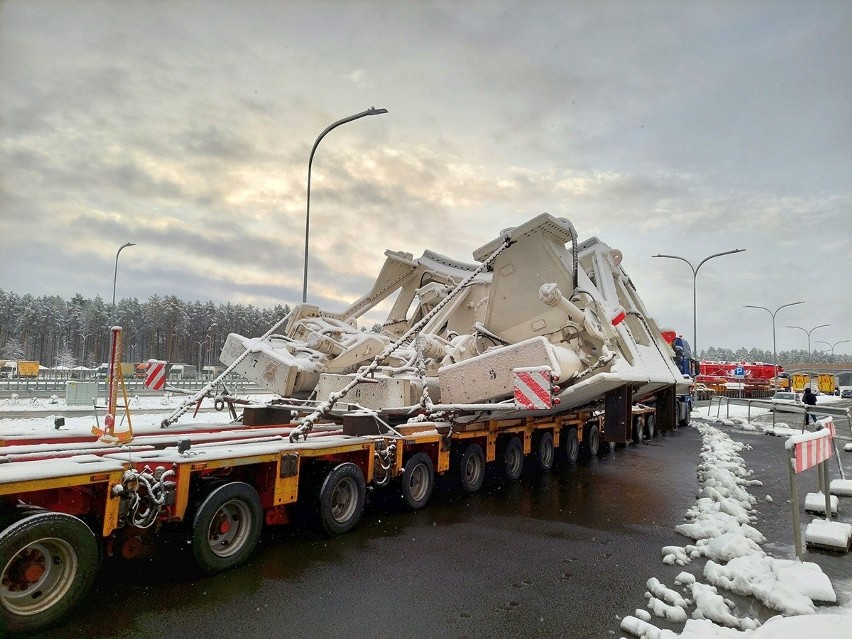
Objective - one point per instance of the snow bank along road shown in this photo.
(738, 559)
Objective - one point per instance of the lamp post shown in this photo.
(774, 350)
(809, 343)
(83, 354)
(115, 277)
(831, 346)
(694, 276)
(370, 111)
(200, 343)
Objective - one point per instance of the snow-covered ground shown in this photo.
(142, 422)
(719, 525)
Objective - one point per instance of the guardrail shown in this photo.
(44, 387)
(775, 408)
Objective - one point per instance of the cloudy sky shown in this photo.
(665, 126)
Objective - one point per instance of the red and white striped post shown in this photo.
(809, 450)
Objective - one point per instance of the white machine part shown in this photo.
(489, 376)
(529, 309)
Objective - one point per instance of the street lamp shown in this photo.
(774, 350)
(831, 346)
(200, 343)
(115, 276)
(370, 111)
(694, 276)
(809, 343)
(83, 354)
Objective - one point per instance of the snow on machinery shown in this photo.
(456, 332)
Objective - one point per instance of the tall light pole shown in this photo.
(774, 350)
(115, 277)
(83, 354)
(370, 111)
(694, 276)
(809, 343)
(200, 361)
(831, 346)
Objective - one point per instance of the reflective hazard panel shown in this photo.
(155, 374)
(534, 388)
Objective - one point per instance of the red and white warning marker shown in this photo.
(810, 449)
(535, 388)
(155, 374)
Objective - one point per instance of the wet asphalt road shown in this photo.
(565, 555)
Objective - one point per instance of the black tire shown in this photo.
(470, 468)
(688, 414)
(650, 426)
(417, 482)
(48, 562)
(638, 429)
(591, 440)
(510, 458)
(11, 515)
(543, 453)
(341, 498)
(571, 445)
(226, 527)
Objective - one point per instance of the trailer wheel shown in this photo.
(543, 453)
(591, 440)
(684, 419)
(572, 446)
(19, 511)
(511, 459)
(471, 468)
(638, 431)
(650, 426)
(226, 527)
(48, 561)
(341, 498)
(418, 480)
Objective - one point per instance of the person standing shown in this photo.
(809, 399)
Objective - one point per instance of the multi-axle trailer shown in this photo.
(65, 504)
(478, 367)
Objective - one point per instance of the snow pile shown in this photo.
(721, 517)
(709, 604)
(787, 585)
(665, 602)
(720, 522)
